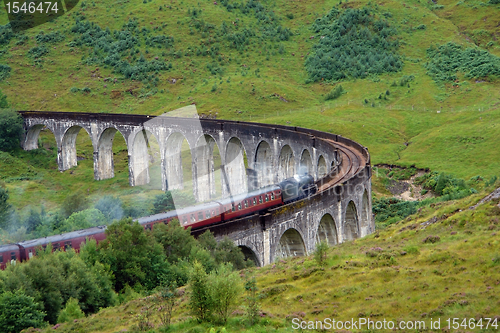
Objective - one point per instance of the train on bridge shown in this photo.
(205, 214)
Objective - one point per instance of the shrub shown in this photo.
(4, 73)
(38, 51)
(335, 93)
(70, 312)
(200, 301)
(320, 253)
(431, 239)
(353, 44)
(19, 311)
(5, 207)
(53, 37)
(74, 90)
(11, 126)
(225, 289)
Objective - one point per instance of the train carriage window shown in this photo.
(30, 254)
(272, 196)
(1, 258)
(13, 256)
(67, 245)
(193, 218)
(56, 246)
(267, 198)
(239, 206)
(213, 213)
(184, 219)
(246, 203)
(207, 214)
(260, 199)
(232, 208)
(254, 201)
(200, 216)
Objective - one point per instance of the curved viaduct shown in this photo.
(339, 211)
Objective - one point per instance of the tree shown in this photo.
(11, 126)
(32, 221)
(224, 251)
(70, 312)
(83, 219)
(4, 208)
(320, 252)
(133, 255)
(165, 202)
(19, 311)
(177, 241)
(200, 300)
(74, 203)
(225, 289)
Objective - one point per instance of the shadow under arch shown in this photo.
(235, 170)
(208, 163)
(286, 163)
(177, 149)
(249, 255)
(351, 226)
(291, 244)
(105, 167)
(264, 164)
(327, 230)
(306, 165)
(322, 168)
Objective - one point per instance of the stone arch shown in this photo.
(291, 244)
(68, 147)
(286, 168)
(32, 135)
(327, 230)
(322, 168)
(306, 165)
(351, 230)
(264, 164)
(205, 167)
(141, 157)
(174, 175)
(365, 215)
(235, 170)
(105, 167)
(249, 254)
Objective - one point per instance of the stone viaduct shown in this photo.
(339, 211)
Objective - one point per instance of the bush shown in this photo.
(70, 312)
(225, 289)
(11, 126)
(4, 73)
(353, 44)
(19, 311)
(53, 37)
(335, 93)
(200, 301)
(320, 253)
(38, 51)
(448, 59)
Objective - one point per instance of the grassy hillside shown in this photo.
(441, 263)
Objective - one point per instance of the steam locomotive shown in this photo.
(257, 201)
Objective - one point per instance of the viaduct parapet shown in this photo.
(340, 211)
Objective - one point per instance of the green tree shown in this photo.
(83, 219)
(176, 241)
(74, 203)
(133, 256)
(33, 220)
(70, 312)
(110, 207)
(200, 300)
(320, 253)
(223, 251)
(4, 208)
(19, 311)
(225, 288)
(11, 126)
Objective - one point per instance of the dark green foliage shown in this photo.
(443, 184)
(386, 208)
(70, 312)
(4, 73)
(11, 126)
(402, 174)
(420, 27)
(52, 279)
(447, 60)
(133, 255)
(5, 207)
(82, 220)
(111, 207)
(3, 98)
(223, 251)
(176, 241)
(53, 37)
(6, 34)
(352, 44)
(200, 302)
(74, 203)
(33, 220)
(494, 2)
(165, 202)
(118, 49)
(225, 289)
(19, 311)
(38, 51)
(335, 93)
(403, 81)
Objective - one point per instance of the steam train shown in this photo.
(257, 201)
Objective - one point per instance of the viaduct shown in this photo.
(338, 212)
